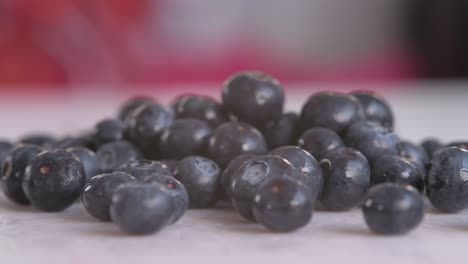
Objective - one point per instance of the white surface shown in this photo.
(220, 236)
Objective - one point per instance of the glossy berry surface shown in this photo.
(347, 179)
(395, 169)
(234, 139)
(40, 139)
(5, 148)
(318, 140)
(415, 154)
(305, 164)
(372, 139)
(282, 132)
(184, 137)
(431, 145)
(88, 159)
(375, 107)
(335, 111)
(53, 180)
(199, 107)
(283, 205)
(112, 155)
(14, 169)
(171, 165)
(109, 130)
(253, 97)
(231, 168)
(141, 169)
(200, 176)
(446, 181)
(141, 209)
(97, 193)
(392, 209)
(131, 105)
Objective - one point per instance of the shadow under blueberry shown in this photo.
(353, 231)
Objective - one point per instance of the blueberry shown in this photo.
(131, 105)
(460, 144)
(282, 132)
(176, 189)
(375, 108)
(88, 159)
(141, 169)
(416, 155)
(5, 148)
(141, 209)
(234, 139)
(335, 111)
(200, 176)
(53, 180)
(395, 169)
(253, 97)
(431, 145)
(144, 127)
(255, 172)
(283, 205)
(112, 155)
(171, 165)
(199, 107)
(40, 139)
(185, 137)
(347, 178)
(306, 165)
(318, 140)
(372, 139)
(446, 181)
(392, 209)
(97, 193)
(109, 130)
(14, 168)
(231, 168)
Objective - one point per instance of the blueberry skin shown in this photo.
(141, 169)
(375, 107)
(255, 172)
(184, 137)
(282, 132)
(200, 176)
(283, 205)
(40, 139)
(131, 105)
(112, 155)
(446, 181)
(416, 155)
(141, 209)
(253, 97)
(234, 139)
(69, 142)
(176, 189)
(199, 107)
(88, 159)
(305, 164)
(372, 139)
(13, 171)
(395, 169)
(5, 148)
(97, 193)
(431, 145)
(171, 165)
(231, 168)
(53, 180)
(460, 144)
(392, 209)
(335, 111)
(318, 140)
(109, 130)
(347, 179)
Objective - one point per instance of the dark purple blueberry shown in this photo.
(234, 139)
(53, 180)
(132, 104)
(199, 107)
(335, 111)
(392, 209)
(305, 164)
(375, 107)
(446, 182)
(231, 168)
(183, 138)
(255, 172)
(395, 169)
(416, 155)
(141, 169)
(176, 189)
(5, 148)
(171, 165)
(112, 155)
(372, 139)
(142, 208)
(88, 159)
(253, 97)
(13, 171)
(347, 179)
(97, 193)
(318, 140)
(109, 130)
(431, 145)
(282, 132)
(200, 176)
(283, 205)
(40, 139)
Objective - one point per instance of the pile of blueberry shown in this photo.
(144, 168)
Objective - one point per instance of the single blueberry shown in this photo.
(415, 154)
(88, 159)
(231, 168)
(131, 105)
(375, 107)
(109, 130)
(431, 145)
(112, 155)
(282, 132)
(395, 169)
(199, 107)
(141, 169)
(318, 140)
